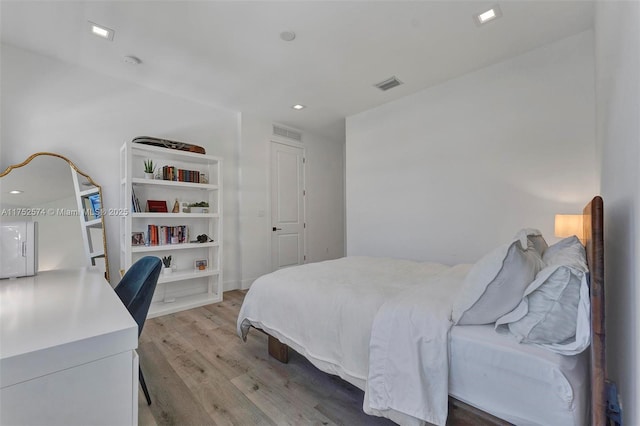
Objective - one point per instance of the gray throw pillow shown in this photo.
(496, 284)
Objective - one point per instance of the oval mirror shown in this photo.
(48, 188)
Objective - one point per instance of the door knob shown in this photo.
(276, 229)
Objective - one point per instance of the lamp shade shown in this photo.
(568, 225)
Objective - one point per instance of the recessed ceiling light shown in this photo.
(298, 107)
(488, 15)
(16, 191)
(101, 31)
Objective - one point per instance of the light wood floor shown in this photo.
(199, 372)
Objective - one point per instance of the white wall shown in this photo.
(617, 52)
(324, 177)
(47, 105)
(255, 231)
(450, 172)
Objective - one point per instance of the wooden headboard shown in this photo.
(594, 242)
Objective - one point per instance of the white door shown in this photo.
(287, 206)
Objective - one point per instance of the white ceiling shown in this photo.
(229, 53)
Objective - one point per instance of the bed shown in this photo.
(387, 327)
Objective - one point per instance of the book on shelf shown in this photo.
(157, 206)
(135, 203)
(180, 175)
(165, 235)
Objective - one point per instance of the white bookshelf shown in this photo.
(185, 287)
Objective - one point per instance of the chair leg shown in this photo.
(144, 386)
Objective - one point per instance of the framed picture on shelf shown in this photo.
(137, 238)
(201, 264)
(157, 206)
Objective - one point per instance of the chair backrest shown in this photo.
(136, 288)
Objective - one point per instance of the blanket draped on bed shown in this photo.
(409, 357)
(380, 324)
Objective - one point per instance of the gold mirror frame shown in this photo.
(89, 179)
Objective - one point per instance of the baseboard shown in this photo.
(237, 285)
(245, 284)
(230, 285)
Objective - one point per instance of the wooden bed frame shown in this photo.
(594, 243)
(593, 230)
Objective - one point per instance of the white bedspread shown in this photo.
(326, 312)
(409, 358)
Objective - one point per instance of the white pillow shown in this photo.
(495, 284)
(556, 312)
(533, 235)
(568, 252)
(551, 307)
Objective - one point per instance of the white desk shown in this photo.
(67, 351)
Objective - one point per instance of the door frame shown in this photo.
(280, 141)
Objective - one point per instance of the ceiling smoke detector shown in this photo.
(389, 83)
(287, 35)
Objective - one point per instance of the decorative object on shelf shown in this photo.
(201, 264)
(137, 238)
(176, 207)
(157, 206)
(200, 207)
(166, 261)
(204, 178)
(184, 207)
(165, 143)
(203, 238)
(149, 168)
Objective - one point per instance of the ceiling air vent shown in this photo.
(287, 133)
(389, 83)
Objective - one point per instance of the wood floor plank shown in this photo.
(282, 406)
(200, 316)
(224, 402)
(172, 401)
(295, 391)
(226, 311)
(219, 351)
(145, 416)
(233, 357)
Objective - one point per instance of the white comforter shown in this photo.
(332, 311)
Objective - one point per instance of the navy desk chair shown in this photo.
(135, 290)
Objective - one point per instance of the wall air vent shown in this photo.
(287, 133)
(389, 83)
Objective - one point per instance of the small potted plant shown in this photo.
(149, 169)
(200, 207)
(166, 261)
